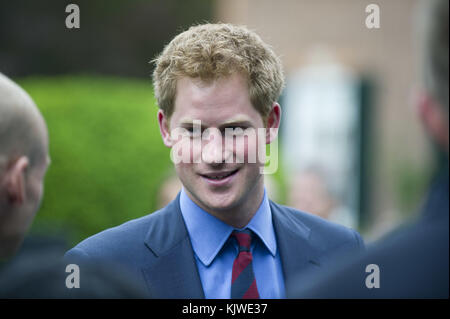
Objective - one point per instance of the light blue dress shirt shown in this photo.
(215, 253)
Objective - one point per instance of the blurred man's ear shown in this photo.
(273, 122)
(434, 119)
(163, 122)
(14, 181)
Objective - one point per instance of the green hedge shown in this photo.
(107, 157)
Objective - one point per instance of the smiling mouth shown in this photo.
(217, 176)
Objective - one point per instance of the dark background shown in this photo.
(116, 37)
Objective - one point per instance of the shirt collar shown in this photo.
(208, 234)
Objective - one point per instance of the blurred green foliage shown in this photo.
(107, 157)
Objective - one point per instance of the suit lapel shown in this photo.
(173, 273)
(296, 251)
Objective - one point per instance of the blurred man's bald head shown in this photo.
(22, 128)
(23, 163)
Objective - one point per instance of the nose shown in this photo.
(212, 151)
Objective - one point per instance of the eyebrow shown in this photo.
(190, 123)
(237, 123)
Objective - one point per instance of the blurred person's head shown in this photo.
(433, 100)
(168, 190)
(226, 77)
(23, 163)
(309, 192)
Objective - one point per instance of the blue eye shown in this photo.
(235, 130)
(235, 127)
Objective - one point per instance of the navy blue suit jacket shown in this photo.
(156, 249)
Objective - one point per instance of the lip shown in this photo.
(220, 182)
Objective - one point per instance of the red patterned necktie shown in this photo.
(243, 282)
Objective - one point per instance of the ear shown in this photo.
(433, 118)
(273, 122)
(163, 122)
(15, 180)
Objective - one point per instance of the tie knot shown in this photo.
(244, 239)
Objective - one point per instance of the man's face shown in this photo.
(18, 217)
(35, 177)
(219, 175)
